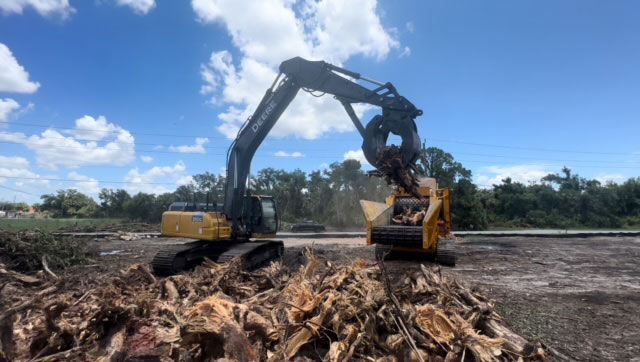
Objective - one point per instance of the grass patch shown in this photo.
(56, 224)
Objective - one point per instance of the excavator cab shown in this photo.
(260, 216)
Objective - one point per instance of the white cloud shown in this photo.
(185, 180)
(20, 175)
(295, 154)
(14, 162)
(405, 52)
(410, 26)
(198, 147)
(86, 185)
(149, 180)
(493, 175)
(146, 159)
(331, 30)
(13, 76)
(91, 129)
(356, 155)
(141, 7)
(614, 178)
(7, 106)
(43, 7)
(54, 149)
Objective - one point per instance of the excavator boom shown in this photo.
(398, 117)
(223, 235)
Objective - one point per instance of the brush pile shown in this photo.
(410, 216)
(28, 251)
(321, 312)
(390, 166)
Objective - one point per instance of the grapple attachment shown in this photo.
(377, 133)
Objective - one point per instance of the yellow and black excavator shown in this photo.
(226, 232)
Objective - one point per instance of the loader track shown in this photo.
(446, 252)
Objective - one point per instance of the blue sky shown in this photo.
(142, 94)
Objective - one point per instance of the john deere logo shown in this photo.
(264, 116)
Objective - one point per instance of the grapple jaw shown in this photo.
(377, 133)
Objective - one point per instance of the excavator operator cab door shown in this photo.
(260, 215)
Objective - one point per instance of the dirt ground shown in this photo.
(580, 296)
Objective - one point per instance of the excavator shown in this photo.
(223, 233)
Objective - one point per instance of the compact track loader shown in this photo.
(405, 224)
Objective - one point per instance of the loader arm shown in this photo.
(398, 117)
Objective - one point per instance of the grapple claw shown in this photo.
(377, 133)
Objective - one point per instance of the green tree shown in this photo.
(112, 201)
(436, 163)
(211, 184)
(141, 207)
(467, 211)
(69, 203)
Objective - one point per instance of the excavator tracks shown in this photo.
(173, 259)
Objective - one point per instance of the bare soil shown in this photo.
(580, 296)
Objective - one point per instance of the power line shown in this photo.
(325, 140)
(308, 156)
(531, 148)
(16, 190)
(93, 180)
(108, 131)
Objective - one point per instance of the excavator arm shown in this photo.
(398, 117)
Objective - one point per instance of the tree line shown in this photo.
(331, 196)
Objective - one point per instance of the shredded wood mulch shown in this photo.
(321, 312)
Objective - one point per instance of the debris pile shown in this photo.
(139, 227)
(390, 166)
(28, 251)
(319, 312)
(410, 217)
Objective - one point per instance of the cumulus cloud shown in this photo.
(20, 175)
(263, 43)
(146, 159)
(611, 178)
(14, 162)
(7, 106)
(356, 155)
(141, 7)
(86, 185)
(53, 149)
(60, 8)
(198, 147)
(149, 181)
(92, 129)
(493, 175)
(295, 154)
(13, 76)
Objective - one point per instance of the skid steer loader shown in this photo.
(431, 236)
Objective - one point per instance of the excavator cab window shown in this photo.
(260, 214)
